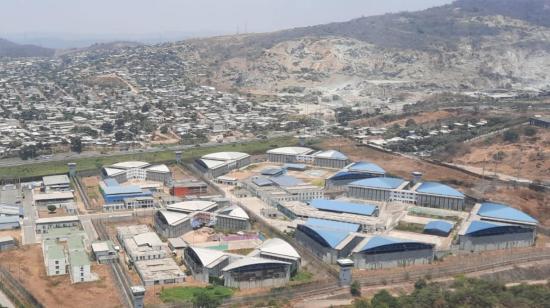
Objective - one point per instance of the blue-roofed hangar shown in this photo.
(497, 226)
(353, 172)
(384, 251)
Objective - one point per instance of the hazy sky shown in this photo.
(115, 17)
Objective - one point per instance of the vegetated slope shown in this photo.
(13, 50)
(470, 44)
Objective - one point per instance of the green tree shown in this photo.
(510, 136)
(361, 303)
(384, 299)
(205, 299)
(27, 152)
(76, 144)
(410, 122)
(52, 208)
(107, 127)
(355, 288)
(529, 131)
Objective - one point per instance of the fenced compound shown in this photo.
(15, 291)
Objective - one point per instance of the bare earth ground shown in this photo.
(26, 265)
(44, 213)
(528, 158)
(421, 118)
(91, 184)
(535, 203)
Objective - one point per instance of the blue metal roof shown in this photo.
(295, 166)
(272, 171)
(386, 244)
(331, 237)
(439, 189)
(286, 181)
(363, 166)
(118, 190)
(331, 154)
(332, 225)
(484, 228)
(344, 207)
(261, 181)
(439, 225)
(380, 182)
(9, 219)
(109, 182)
(478, 225)
(501, 211)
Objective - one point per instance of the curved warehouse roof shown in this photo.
(386, 244)
(277, 246)
(438, 225)
(483, 228)
(238, 212)
(173, 218)
(501, 211)
(290, 151)
(434, 188)
(327, 232)
(113, 171)
(332, 154)
(191, 206)
(130, 164)
(344, 207)
(251, 262)
(332, 225)
(210, 164)
(363, 166)
(207, 256)
(159, 168)
(380, 182)
(225, 156)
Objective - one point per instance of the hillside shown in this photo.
(13, 50)
(468, 45)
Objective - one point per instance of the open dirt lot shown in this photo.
(91, 185)
(532, 202)
(26, 265)
(528, 158)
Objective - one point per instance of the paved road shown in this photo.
(7, 162)
(29, 236)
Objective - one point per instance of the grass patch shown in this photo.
(85, 164)
(410, 227)
(191, 294)
(302, 277)
(318, 182)
(422, 214)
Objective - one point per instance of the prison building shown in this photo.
(11, 210)
(7, 242)
(278, 249)
(53, 198)
(192, 206)
(56, 183)
(329, 240)
(273, 171)
(437, 195)
(104, 251)
(330, 159)
(112, 192)
(540, 122)
(354, 172)
(438, 228)
(232, 220)
(217, 164)
(251, 273)
(282, 188)
(290, 155)
(79, 266)
(9, 222)
(172, 224)
(54, 258)
(205, 263)
(295, 167)
(140, 243)
(338, 206)
(497, 226)
(381, 189)
(184, 188)
(159, 272)
(385, 252)
(44, 225)
(138, 170)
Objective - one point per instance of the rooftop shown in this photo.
(246, 261)
(502, 212)
(277, 246)
(439, 225)
(191, 206)
(439, 189)
(173, 218)
(290, 151)
(51, 180)
(53, 196)
(130, 165)
(225, 156)
(365, 167)
(78, 258)
(344, 207)
(380, 182)
(331, 154)
(286, 181)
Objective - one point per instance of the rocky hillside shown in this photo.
(469, 45)
(13, 50)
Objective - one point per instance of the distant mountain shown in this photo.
(467, 45)
(13, 50)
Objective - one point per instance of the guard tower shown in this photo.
(416, 177)
(346, 266)
(138, 294)
(302, 140)
(72, 169)
(178, 156)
